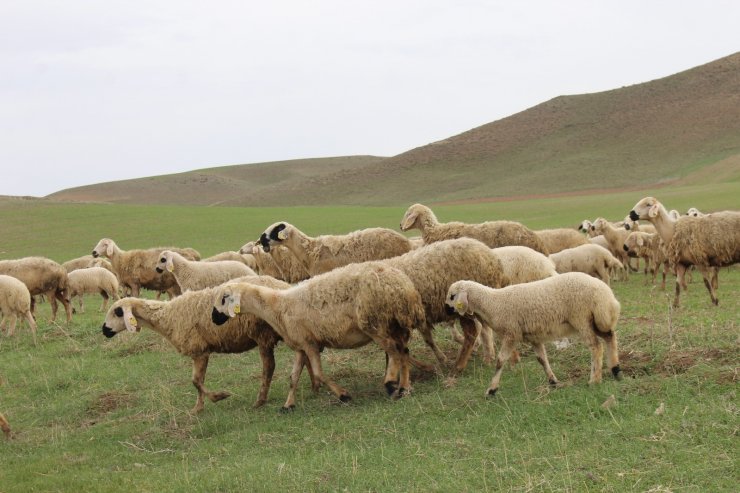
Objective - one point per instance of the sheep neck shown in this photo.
(263, 302)
(610, 233)
(664, 224)
(151, 314)
(428, 225)
(300, 244)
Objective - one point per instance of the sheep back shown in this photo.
(559, 239)
(712, 240)
(14, 296)
(39, 274)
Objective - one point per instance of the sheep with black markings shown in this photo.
(345, 308)
(135, 268)
(42, 276)
(591, 259)
(92, 280)
(15, 302)
(542, 311)
(195, 275)
(492, 233)
(186, 323)
(707, 242)
(326, 252)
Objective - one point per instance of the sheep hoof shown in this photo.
(258, 404)
(617, 372)
(390, 387)
(218, 396)
(491, 392)
(345, 398)
(553, 383)
(402, 392)
(287, 409)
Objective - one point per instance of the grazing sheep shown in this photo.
(615, 238)
(541, 311)
(15, 301)
(345, 308)
(245, 258)
(591, 259)
(694, 212)
(280, 263)
(326, 252)
(41, 276)
(492, 233)
(92, 280)
(135, 268)
(5, 426)
(556, 240)
(707, 242)
(650, 247)
(186, 323)
(195, 275)
(522, 264)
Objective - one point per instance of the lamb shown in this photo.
(694, 212)
(15, 301)
(135, 268)
(492, 233)
(591, 259)
(324, 253)
(245, 258)
(280, 263)
(708, 242)
(42, 276)
(186, 323)
(93, 280)
(537, 312)
(650, 247)
(615, 238)
(345, 308)
(193, 275)
(556, 240)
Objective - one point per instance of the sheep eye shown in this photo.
(452, 297)
(118, 311)
(163, 260)
(223, 300)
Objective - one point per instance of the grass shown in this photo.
(94, 414)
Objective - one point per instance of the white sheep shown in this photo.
(590, 259)
(245, 258)
(650, 247)
(694, 212)
(280, 263)
(586, 227)
(326, 252)
(345, 308)
(42, 276)
(195, 275)
(707, 242)
(615, 237)
(522, 264)
(15, 302)
(559, 239)
(541, 311)
(93, 280)
(186, 323)
(492, 233)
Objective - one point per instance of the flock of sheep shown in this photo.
(377, 285)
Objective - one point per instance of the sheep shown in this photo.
(5, 426)
(15, 301)
(345, 308)
(492, 233)
(185, 322)
(591, 259)
(694, 212)
(585, 227)
(78, 263)
(324, 253)
(650, 247)
(615, 238)
(537, 312)
(675, 214)
(522, 264)
(135, 268)
(416, 242)
(245, 258)
(41, 276)
(708, 242)
(192, 275)
(93, 280)
(280, 263)
(556, 240)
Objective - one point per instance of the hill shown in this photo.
(678, 129)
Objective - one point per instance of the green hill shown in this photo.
(680, 129)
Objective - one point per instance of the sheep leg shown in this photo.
(12, 318)
(397, 380)
(709, 274)
(299, 361)
(426, 333)
(597, 357)
(489, 347)
(54, 306)
(200, 365)
(267, 355)
(507, 347)
(612, 353)
(392, 373)
(105, 296)
(59, 295)
(32, 325)
(541, 352)
(314, 357)
(680, 272)
(470, 331)
(81, 301)
(456, 335)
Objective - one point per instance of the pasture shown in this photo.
(93, 414)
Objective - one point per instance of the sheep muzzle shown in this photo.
(634, 215)
(108, 332)
(219, 318)
(265, 242)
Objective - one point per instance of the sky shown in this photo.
(96, 91)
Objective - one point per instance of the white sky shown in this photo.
(95, 91)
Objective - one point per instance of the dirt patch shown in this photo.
(109, 402)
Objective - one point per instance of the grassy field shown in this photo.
(93, 414)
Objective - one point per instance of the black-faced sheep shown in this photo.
(346, 308)
(15, 302)
(41, 276)
(492, 233)
(194, 275)
(542, 311)
(186, 323)
(707, 242)
(326, 252)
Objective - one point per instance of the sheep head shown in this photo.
(457, 300)
(120, 317)
(647, 208)
(694, 212)
(226, 305)
(275, 234)
(599, 225)
(248, 247)
(104, 247)
(585, 225)
(165, 262)
(414, 217)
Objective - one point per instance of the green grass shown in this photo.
(93, 414)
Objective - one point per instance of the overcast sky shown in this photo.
(95, 91)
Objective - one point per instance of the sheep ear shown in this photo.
(109, 250)
(170, 265)
(234, 304)
(132, 325)
(640, 241)
(408, 220)
(282, 235)
(654, 210)
(461, 303)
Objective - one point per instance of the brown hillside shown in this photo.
(658, 132)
